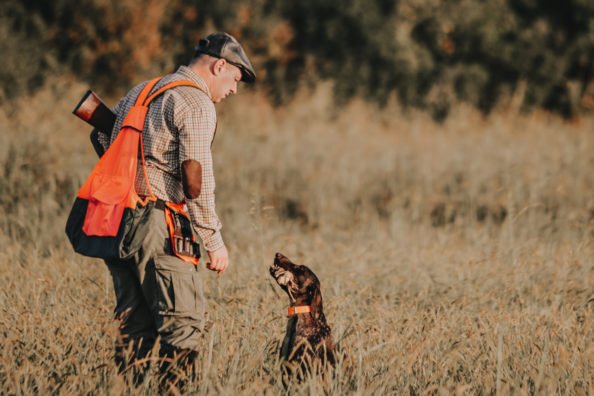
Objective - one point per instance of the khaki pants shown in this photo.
(157, 295)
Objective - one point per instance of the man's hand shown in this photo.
(219, 259)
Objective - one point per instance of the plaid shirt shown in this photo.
(180, 126)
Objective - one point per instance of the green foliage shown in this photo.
(428, 54)
(435, 53)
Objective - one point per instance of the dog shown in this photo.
(308, 343)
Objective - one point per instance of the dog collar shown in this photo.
(300, 309)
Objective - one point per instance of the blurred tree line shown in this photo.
(428, 54)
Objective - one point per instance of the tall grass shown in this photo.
(453, 259)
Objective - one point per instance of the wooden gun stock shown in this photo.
(92, 110)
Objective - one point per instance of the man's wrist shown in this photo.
(214, 242)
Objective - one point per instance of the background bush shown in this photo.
(428, 54)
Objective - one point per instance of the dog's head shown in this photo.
(298, 281)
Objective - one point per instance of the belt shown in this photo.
(160, 204)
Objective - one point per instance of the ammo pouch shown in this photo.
(179, 227)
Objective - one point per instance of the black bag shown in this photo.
(132, 232)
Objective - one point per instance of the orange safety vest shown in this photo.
(110, 186)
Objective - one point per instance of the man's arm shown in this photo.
(202, 208)
(196, 126)
(192, 184)
(191, 171)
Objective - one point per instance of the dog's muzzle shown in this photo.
(282, 276)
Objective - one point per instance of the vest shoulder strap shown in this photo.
(172, 84)
(137, 113)
(145, 98)
(145, 91)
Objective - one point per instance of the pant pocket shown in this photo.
(164, 293)
(179, 288)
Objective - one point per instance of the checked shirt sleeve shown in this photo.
(196, 125)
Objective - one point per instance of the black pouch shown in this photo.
(131, 234)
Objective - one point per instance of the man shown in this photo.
(158, 294)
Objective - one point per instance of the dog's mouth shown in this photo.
(282, 276)
(285, 279)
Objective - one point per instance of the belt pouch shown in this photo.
(182, 238)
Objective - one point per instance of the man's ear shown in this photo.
(218, 66)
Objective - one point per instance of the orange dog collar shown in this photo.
(300, 309)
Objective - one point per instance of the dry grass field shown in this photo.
(454, 258)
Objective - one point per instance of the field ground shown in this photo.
(454, 259)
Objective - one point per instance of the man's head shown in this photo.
(220, 60)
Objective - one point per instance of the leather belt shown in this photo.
(160, 204)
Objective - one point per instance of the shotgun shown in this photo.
(92, 110)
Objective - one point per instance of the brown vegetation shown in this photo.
(454, 258)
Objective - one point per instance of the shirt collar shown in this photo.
(193, 76)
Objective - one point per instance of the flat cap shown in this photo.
(223, 45)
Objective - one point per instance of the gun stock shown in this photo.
(92, 110)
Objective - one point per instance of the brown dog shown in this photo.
(308, 341)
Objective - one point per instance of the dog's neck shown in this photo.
(304, 326)
(311, 299)
(313, 319)
(298, 309)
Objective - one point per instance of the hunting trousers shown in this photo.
(158, 296)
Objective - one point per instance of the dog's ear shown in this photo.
(315, 298)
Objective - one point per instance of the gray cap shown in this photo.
(223, 45)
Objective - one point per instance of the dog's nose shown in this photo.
(278, 256)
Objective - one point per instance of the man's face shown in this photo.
(226, 78)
